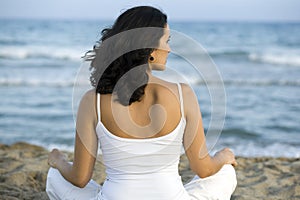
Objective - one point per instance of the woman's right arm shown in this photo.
(80, 171)
(200, 161)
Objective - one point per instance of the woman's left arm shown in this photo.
(80, 171)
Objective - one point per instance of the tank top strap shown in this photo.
(98, 107)
(180, 98)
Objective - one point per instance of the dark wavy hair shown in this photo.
(123, 48)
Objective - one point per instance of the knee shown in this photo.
(231, 175)
(54, 179)
(50, 183)
(52, 172)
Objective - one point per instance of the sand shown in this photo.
(23, 171)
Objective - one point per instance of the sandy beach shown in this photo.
(23, 170)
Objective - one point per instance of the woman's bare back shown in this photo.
(135, 120)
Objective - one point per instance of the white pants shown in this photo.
(58, 188)
(218, 186)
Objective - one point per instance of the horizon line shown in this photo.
(170, 21)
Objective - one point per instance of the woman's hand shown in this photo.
(55, 157)
(226, 156)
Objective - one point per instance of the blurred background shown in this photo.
(254, 44)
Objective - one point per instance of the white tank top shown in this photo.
(144, 169)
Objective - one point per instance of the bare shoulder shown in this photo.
(187, 90)
(89, 95)
(190, 100)
(88, 100)
(87, 107)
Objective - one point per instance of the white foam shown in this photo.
(255, 149)
(260, 82)
(41, 82)
(21, 52)
(276, 58)
(255, 82)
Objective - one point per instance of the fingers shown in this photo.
(232, 160)
(234, 163)
(54, 150)
(52, 157)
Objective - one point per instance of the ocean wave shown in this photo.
(276, 59)
(276, 56)
(11, 42)
(80, 82)
(250, 148)
(243, 82)
(20, 53)
(37, 83)
(240, 133)
(214, 53)
(75, 53)
(229, 53)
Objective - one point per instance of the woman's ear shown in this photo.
(152, 56)
(151, 59)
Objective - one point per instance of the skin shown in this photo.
(158, 92)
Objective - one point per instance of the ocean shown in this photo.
(259, 64)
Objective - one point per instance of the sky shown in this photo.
(177, 10)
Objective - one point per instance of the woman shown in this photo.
(141, 123)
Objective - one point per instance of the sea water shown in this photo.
(259, 64)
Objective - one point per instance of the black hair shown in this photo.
(107, 70)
